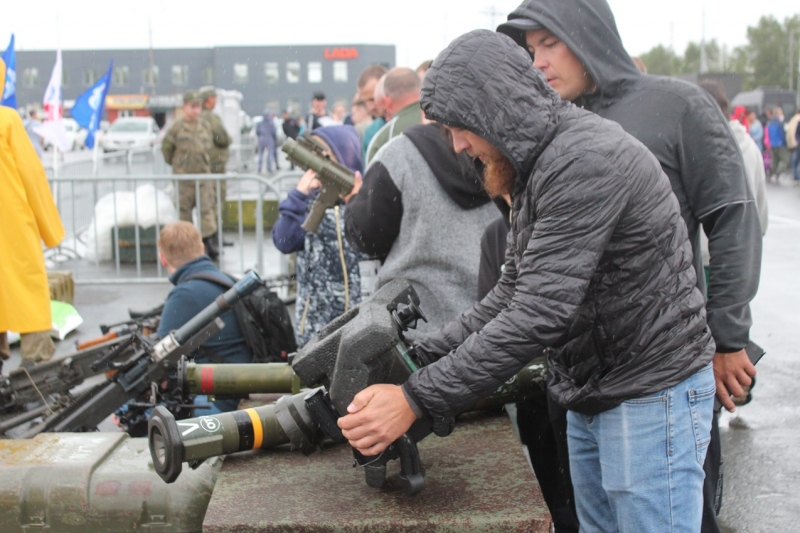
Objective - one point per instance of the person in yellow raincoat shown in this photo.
(28, 215)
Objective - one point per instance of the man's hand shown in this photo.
(358, 181)
(308, 182)
(732, 371)
(377, 417)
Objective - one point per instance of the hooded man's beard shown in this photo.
(499, 175)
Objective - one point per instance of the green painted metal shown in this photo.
(241, 379)
(96, 483)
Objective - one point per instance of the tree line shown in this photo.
(768, 59)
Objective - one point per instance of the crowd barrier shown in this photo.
(113, 221)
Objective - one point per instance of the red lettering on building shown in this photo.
(341, 53)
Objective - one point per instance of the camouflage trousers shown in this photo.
(219, 168)
(208, 204)
(37, 346)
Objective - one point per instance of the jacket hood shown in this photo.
(345, 143)
(589, 30)
(456, 173)
(484, 83)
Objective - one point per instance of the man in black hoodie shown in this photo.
(598, 276)
(576, 45)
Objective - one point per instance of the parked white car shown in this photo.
(130, 132)
(75, 134)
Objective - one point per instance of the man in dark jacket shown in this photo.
(576, 45)
(598, 275)
(180, 250)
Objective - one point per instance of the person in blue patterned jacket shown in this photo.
(328, 280)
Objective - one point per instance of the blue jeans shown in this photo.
(639, 466)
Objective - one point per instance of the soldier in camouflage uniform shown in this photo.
(187, 147)
(328, 277)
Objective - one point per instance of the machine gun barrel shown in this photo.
(145, 367)
(337, 181)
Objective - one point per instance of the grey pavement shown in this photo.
(762, 470)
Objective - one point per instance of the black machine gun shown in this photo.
(145, 369)
(28, 393)
(337, 180)
(363, 347)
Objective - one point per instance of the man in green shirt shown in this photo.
(401, 99)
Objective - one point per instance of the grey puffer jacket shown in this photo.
(599, 267)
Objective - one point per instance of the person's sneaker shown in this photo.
(212, 249)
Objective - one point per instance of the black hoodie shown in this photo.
(687, 133)
(598, 268)
(373, 216)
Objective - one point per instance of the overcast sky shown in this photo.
(419, 29)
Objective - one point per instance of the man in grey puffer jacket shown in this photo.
(598, 275)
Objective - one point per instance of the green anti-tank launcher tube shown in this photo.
(237, 379)
(286, 422)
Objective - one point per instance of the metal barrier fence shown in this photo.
(146, 160)
(127, 212)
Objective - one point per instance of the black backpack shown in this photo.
(263, 320)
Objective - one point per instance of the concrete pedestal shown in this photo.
(477, 480)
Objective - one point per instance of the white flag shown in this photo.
(52, 129)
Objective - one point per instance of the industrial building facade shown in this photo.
(269, 77)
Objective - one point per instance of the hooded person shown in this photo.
(598, 276)
(328, 279)
(424, 207)
(267, 142)
(28, 216)
(577, 46)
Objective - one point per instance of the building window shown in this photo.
(340, 71)
(293, 72)
(274, 106)
(89, 77)
(240, 73)
(64, 78)
(314, 72)
(150, 75)
(271, 74)
(30, 77)
(293, 107)
(180, 74)
(208, 75)
(121, 76)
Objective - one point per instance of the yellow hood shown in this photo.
(2, 76)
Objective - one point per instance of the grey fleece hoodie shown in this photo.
(680, 124)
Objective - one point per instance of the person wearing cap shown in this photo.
(220, 143)
(575, 43)
(221, 140)
(187, 147)
(318, 116)
(598, 277)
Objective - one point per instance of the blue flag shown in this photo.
(88, 108)
(9, 96)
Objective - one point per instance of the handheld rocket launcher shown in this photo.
(363, 347)
(337, 180)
